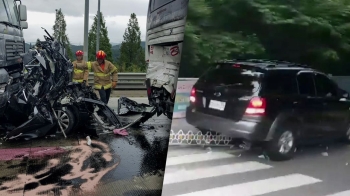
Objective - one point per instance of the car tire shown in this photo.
(282, 146)
(67, 119)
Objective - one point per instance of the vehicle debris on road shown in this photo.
(45, 99)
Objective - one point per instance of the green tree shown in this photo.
(131, 51)
(105, 44)
(313, 32)
(59, 32)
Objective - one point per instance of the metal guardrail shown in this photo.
(126, 81)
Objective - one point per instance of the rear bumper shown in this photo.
(243, 129)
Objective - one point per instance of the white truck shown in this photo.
(13, 17)
(166, 22)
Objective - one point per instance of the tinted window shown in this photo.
(238, 78)
(324, 86)
(3, 13)
(281, 83)
(306, 84)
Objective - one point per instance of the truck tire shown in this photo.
(282, 146)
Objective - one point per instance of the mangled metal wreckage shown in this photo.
(44, 100)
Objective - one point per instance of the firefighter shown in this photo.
(103, 70)
(81, 72)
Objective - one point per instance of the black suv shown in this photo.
(275, 103)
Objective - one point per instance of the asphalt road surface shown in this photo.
(196, 170)
(113, 165)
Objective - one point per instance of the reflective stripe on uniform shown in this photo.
(78, 71)
(89, 65)
(101, 74)
(113, 70)
(98, 86)
(80, 81)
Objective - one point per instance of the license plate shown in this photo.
(217, 105)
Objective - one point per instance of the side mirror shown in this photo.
(22, 12)
(24, 25)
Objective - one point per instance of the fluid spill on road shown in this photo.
(81, 168)
(140, 155)
(143, 152)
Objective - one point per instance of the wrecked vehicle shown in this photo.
(46, 100)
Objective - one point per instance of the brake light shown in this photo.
(256, 106)
(149, 91)
(193, 95)
(236, 66)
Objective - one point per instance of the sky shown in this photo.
(41, 13)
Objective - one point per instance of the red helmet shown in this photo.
(79, 53)
(101, 54)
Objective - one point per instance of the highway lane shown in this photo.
(214, 170)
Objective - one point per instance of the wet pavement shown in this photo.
(112, 165)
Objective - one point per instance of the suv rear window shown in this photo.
(244, 78)
(281, 83)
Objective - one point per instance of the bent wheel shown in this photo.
(67, 120)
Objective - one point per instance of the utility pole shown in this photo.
(98, 27)
(86, 31)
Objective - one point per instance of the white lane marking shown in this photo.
(259, 187)
(196, 174)
(192, 158)
(344, 193)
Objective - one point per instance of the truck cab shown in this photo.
(13, 17)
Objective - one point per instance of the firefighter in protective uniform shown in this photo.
(103, 72)
(81, 72)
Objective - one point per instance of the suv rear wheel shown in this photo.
(282, 146)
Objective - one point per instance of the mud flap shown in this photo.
(149, 89)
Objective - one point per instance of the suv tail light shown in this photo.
(193, 95)
(256, 106)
